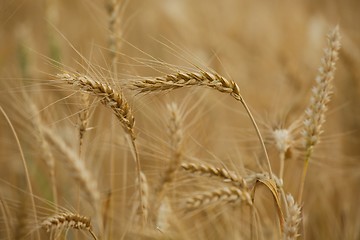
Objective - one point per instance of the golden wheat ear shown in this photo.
(293, 219)
(321, 95)
(108, 95)
(221, 195)
(65, 221)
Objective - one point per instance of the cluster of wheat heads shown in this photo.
(238, 190)
(158, 211)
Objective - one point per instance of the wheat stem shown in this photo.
(24, 165)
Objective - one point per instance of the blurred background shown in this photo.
(272, 49)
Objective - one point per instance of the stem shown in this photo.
(25, 167)
(282, 164)
(303, 176)
(112, 178)
(258, 134)
(6, 219)
(138, 171)
(93, 234)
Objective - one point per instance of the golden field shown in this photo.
(179, 119)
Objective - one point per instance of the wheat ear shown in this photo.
(225, 194)
(283, 141)
(208, 169)
(64, 221)
(80, 172)
(175, 131)
(215, 81)
(109, 97)
(144, 199)
(321, 94)
(113, 9)
(292, 220)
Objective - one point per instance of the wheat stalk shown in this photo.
(225, 194)
(64, 221)
(26, 170)
(83, 119)
(46, 152)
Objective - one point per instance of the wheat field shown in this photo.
(179, 119)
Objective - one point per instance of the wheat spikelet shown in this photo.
(64, 221)
(109, 97)
(226, 194)
(207, 169)
(292, 219)
(179, 80)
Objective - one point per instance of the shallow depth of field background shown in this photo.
(272, 49)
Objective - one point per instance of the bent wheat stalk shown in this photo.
(215, 81)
